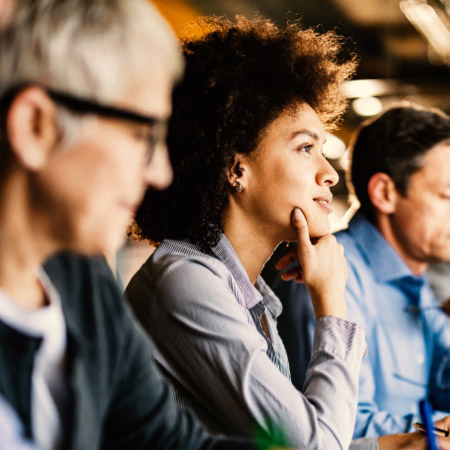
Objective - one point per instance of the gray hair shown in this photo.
(91, 48)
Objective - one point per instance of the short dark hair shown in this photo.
(394, 143)
(240, 76)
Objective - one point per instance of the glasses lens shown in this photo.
(157, 137)
(151, 146)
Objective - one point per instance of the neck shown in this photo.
(23, 242)
(250, 241)
(384, 224)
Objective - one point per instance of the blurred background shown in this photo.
(404, 50)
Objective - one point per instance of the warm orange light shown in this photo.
(181, 16)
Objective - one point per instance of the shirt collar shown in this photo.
(226, 253)
(252, 294)
(35, 322)
(383, 258)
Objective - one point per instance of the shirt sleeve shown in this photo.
(439, 330)
(212, 349)
(370, 420)
(142, 413)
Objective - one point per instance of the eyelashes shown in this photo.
(305, 148)
(308, 149)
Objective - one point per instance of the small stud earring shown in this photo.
(238, 186)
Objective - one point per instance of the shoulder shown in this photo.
(178, 275)
(359, 267)
(173, 254)
(179, 282)
(361, 281)
(183, 264)
(87, 288)
(348, 240)
(71, 270)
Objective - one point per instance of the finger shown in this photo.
(291, 274)
(287, 259)
(298, 279)
(301, 228)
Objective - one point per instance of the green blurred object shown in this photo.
(276, 438)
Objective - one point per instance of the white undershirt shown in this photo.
(50, 393)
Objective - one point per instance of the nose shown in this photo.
(159, 173)
(326, 175)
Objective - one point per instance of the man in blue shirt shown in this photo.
(400, 173)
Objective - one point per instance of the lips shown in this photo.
(325, 202)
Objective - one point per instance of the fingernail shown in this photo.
(297, 214)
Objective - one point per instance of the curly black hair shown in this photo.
(240, 76)
(395, 142)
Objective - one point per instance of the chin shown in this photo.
(317, 235)
(319, 230)
(314, 232)
(443, 256)
(105, 244)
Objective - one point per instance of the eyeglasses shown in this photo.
(79, 105)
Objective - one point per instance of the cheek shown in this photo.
(441, 233)
(98, 223)
(87, 196)
(318, 224)
(432, 224)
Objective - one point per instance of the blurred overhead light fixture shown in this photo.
(431, 23)
(334, 147)
(366, 88)
(375, 88)
(344, 161)
(367, 106)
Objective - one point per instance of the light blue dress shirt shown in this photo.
(408, 337)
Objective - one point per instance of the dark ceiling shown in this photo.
(389, 46)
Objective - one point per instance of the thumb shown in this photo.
(301, 228)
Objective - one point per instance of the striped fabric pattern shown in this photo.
(204, 316)
(277, 358)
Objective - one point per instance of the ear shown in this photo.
(382, 193)
(237, 172)
(32, 128)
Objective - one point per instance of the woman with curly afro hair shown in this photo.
(246, 139)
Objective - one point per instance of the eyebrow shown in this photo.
(312, 134)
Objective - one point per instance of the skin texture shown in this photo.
(80, 198)
(288, 172)
(224, 106)
(110, 159)
(419, 226)
(414, 441)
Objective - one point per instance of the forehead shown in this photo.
(296, 122)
